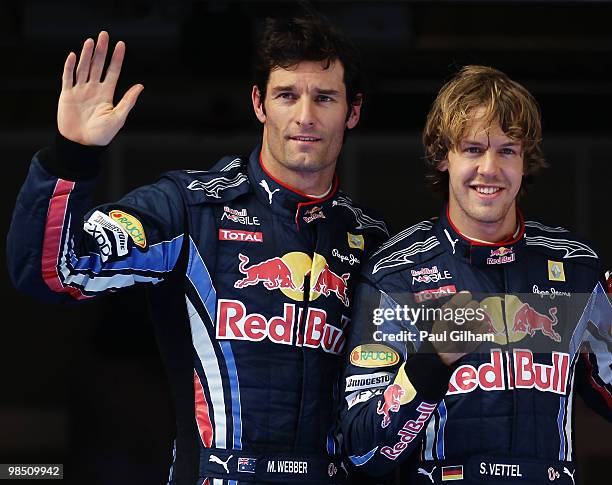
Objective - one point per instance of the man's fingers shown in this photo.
(458, 300)
(128, 101)
(68, 74)
(97, 63)
(114, 68)
(85, 61)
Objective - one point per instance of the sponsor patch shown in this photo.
(235, 323)
(362, 396)
(429, 275)
(501, 255)
(373, 355)
(240, 216)
(367, 381)
(355, 241)
(499, 374)
(242, 236)
(131, 225)
(98, 226)
(345, 258)
(409, 431)
(434, 293)
(450, 473)
(556, 271)
(390, 403)
(315, 212)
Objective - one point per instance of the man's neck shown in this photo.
(490, 233)
(301, 181)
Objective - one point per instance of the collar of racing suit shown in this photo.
(477, 252)
(286, 201)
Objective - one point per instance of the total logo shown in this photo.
(234, 323)
(287, 274)
(497, 376)
(429, 275)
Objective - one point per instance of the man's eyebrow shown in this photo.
(474, 142)
(278, 89)
(332, 92)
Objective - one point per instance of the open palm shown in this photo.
(85, 112)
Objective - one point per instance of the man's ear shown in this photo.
(443, 165)
(258, 106)
(354, 112)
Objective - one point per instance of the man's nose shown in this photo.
(489, 163)
(305, 112)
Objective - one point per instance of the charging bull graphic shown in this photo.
(390, 403)
(273, 273)
(329, 282)
(287, 273)
(528, 320)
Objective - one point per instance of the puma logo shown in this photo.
(453, 242)
(218, 461)
(425, 472)
(264, 184)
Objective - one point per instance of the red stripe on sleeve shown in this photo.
(201, 412)
(54, 228)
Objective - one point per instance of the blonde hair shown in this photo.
(504, 101)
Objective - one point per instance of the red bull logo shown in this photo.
(498, 375)
(390, 403)
(329, 282)
(273, 273)
(508, 319)
(315, 213)
(409, 431)
(528, 320)
(287, 274)
(234, 323)
(501, 256)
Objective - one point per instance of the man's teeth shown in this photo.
(306, 138)
(487, 190)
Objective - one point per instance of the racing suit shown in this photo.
(502, 414)
(250, 284)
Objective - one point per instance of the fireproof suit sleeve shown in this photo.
(388, 401)
(59, 250)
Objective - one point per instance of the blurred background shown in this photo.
(84, 386)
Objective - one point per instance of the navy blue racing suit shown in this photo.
(501, 414)
(250, 283)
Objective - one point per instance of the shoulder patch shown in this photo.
(131, 225)
(363, 221)
(215, 186)
(421, 226)
(542, 227)
(567, 248)
(402, 256)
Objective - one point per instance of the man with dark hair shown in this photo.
(250, 266)
(529, 297)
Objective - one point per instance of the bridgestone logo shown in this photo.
(355, 383)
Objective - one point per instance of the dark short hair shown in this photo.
(286, 42)
(504, 100)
